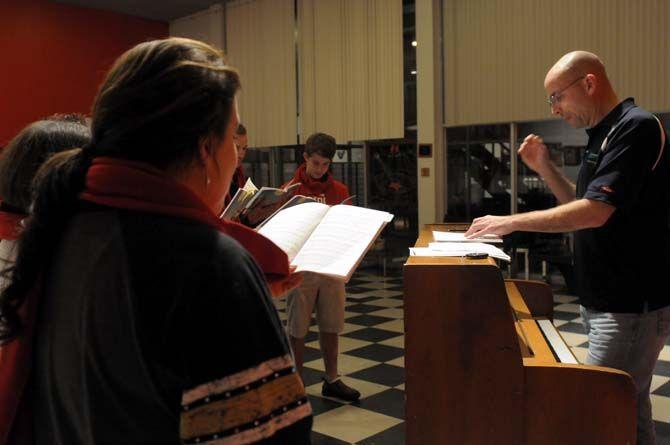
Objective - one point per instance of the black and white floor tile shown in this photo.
(372, 361)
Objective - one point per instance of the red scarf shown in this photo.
(10, 224)
(137, 186)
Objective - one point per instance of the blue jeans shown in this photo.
(631, 343)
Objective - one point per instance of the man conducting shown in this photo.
(619, 213)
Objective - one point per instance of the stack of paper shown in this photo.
(455, 244)
(459, 237)
(461, 249)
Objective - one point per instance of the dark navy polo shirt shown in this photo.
(623, 265)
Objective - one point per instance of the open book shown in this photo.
(251, 206)
(294, 201)
(323, 239)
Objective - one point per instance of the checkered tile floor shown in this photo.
(372, 361)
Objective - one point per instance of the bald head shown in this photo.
(576, 64)
(579, 90)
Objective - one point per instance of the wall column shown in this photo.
(431, 170)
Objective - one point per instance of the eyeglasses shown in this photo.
(556, 97)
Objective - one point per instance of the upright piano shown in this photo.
(485, 365)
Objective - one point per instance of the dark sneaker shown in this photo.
(339, 390)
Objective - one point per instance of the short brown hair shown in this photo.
(322, 144)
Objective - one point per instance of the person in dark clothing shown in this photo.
(19, 162)
(623, 189)
(139, 300)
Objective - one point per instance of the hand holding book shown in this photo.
(280, 286)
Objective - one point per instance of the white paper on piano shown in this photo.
(459, 249)
(460, 238)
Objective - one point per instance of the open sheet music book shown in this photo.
(294, 201)
(323, 239)
(239, 200)
(251, 206)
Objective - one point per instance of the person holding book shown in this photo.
(324, 293)
(142, 292)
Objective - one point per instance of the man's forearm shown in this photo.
(575, 215)
(560, 186)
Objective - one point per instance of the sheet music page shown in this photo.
(290, 228)
(461, 249)
(460, 237)
(296, 200)
(340, 241)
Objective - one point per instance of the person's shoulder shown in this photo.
(637, 123)
(189, 237)
(640, 116)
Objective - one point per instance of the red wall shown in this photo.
(54, 56)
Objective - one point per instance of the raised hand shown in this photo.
(534, 153)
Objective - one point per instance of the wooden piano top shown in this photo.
(426, 237)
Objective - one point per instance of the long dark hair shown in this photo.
(159, 101)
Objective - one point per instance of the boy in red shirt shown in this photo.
(326, 293)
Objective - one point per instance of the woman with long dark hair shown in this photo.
(153, 324)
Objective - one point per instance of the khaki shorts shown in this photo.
(324, 293)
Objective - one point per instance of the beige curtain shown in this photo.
(206, 26)
(261, 45)
(351, 68)
(497, 53)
